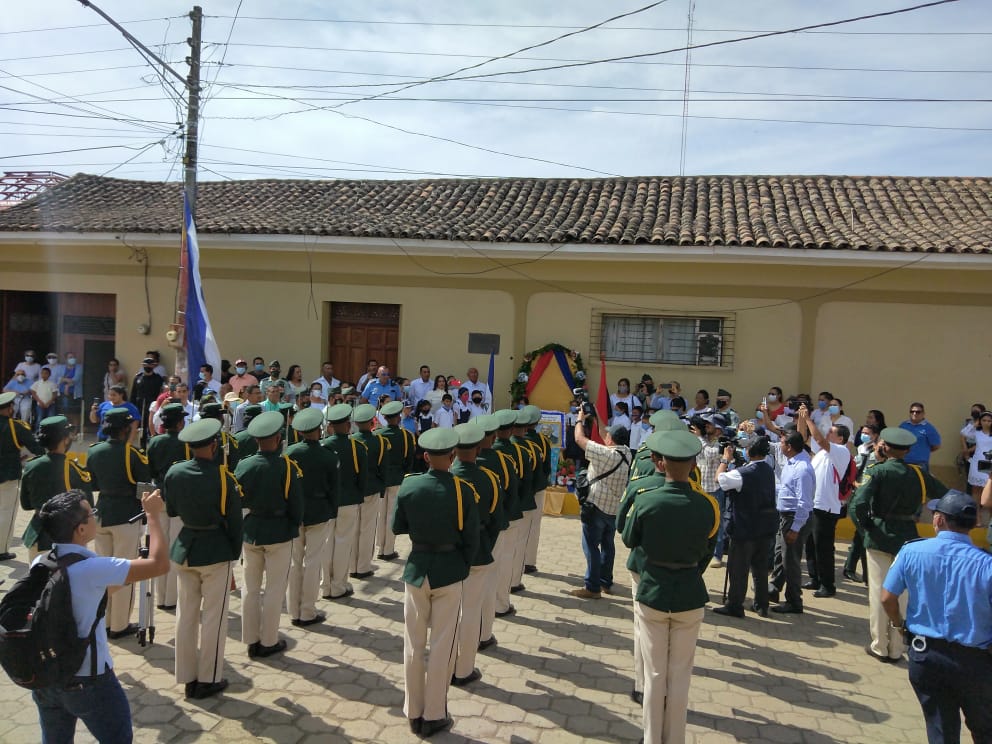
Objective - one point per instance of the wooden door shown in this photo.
(361, 331)
(28, 322)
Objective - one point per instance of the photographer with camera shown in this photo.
(609, 470)
(709, 460)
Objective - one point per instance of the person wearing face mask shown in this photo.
(30, 366)
(701, 406)
(968, 437)
(834, 416)
(14, 436)
(983, 444)
(444, 417)
(867, 457)
(678, 406)
(822, 404)
(241, 377)
(775, 401)
(723, 407)
(622, 395)
(69, 379)
(621, 415)
(478, 405)
(639, 427)
(461, 406)
(55, 369)
(145, 389)
(21, 388)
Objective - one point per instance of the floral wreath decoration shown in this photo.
(519, 387)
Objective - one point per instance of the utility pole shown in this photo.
(193, 105)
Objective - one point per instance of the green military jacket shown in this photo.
(505, 454)
(353, 460)
(321, 480)
(164, 451)
(117, 468)
(272, 492)
(541, 446)
(637, 485)
(502, 468)
(377, 447)
(400, 456)
(247, 445)
(15, 435)
(642, 464)
(437, 510)
(523, 455)
(675, 525)
(885, 506)
(487, 489)
(229, 452)
(43, 478)
(208, 500)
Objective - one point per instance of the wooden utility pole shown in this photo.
(193, 105)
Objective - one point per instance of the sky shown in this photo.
(282, 84)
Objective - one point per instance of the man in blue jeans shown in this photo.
(609, 471)
(94, 694)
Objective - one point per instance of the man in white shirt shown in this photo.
(207, 381)
(327, 380)
(421, 386)
(473, 384)
(830, 465)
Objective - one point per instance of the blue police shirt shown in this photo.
(375, 388)
(950, 588)
(101, 411)
(89, 579)
(927, 436)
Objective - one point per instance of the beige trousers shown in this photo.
(884, 640)
(166, 586)
(8, 512)
(304, 574)
(201, 622)
(534, 531)
(668, 644)
(435, 610)
(470, 625)
(487, 613)
(120, 541)
(260, 609)
(340, 545)
(505, 549)
(520, 547)
(361, 557)
(385, 540)
(635, 579)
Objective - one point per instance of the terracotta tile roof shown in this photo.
(824, 212)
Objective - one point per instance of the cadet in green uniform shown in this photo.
(165, 450)
(273, 496)
(247, 446)
(206, 498)
(46, 476)
(438, 511)
(353, 459)
(228, 453)
(116, 468)
(14, 435)
(506, 550)
(675, 525)
(643, 463)
(500, 466)
(523, 452)
(884, 510)
(486, 487)
(376, 447)
(397, 462)
(542, 450)
(319, 466)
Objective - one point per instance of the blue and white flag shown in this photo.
(492, 372)
(201, 347)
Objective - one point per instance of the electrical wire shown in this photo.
(77, 149)
(553, 249)
(77, 54)
(80, 26)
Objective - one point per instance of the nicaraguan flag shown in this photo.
(201, 347)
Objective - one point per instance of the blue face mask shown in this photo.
(203, 376)
(446, 406)
(617, 413)
(573, 409)
(259, 367)
(864, 438)
(240, 370)
(759, 415)
(645, 425)
(834, 410)
(821, 404)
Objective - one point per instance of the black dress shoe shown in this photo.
(851, 576)
(811, 584)
(318, 618)
(348, 593)
(728, 611)
(466, 680)
(488, 643)
(530, 569)
(788, 609)
(637, 697)
(762, 610)
(516, 589)
(253, 649)
(362, 574)
(275, 648)
(8, 556)
(429, 728)
(415, 724)
(388, 556)
(206, 689)
(511, 611)
(165, 608)
(772, 593)
(824, 592)
(190, 689)
(130, 630)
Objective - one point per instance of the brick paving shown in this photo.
(561, 672)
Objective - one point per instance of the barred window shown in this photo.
(668, 339)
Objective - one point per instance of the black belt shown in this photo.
(921, 643)
(676, 566)
(431, 548)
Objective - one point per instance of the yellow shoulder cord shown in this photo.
(68, 484)
(13, 433)
(127, 464)
(289, 469)
(223, 490)
(354, 454)
(406, 442)
(187, 450)
(506, 473)
(458, 495)
(714, 504)
(492, 477)
(545, 445)
(84, 476)
(923, 485)
(520, 461)
(382, 447)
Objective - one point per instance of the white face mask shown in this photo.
(772, 397)
(28, 358)
(70, 361)
(21, 378)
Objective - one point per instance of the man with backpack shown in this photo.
(92, 692)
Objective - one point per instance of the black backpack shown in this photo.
(39, 645)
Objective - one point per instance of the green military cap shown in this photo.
(285, 408)
(6, 399)
(665, 421)
(252, 410)
(438, 441)
(533, 414)
(173, 412)
(506, 418)
(898, 437)
(212, 410)
(200, 432)
(488, 422)
(392, 408)
(266, 424)
(118, 417)
(676, 445)
(469, 434)
(363, 413)
(340, 412)
(55, 426)
(308, 419)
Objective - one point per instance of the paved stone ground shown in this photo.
(561, 673)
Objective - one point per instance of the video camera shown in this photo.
(985, 466)
(582, 395)
(731, 438)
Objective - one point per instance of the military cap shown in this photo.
(363, 413)
(347, 390)
(721, 393)
(308, 419)
(955, 504)
(266, 424)
(533, 414)
(212, 410)
(392, 408)
(118, 417)
(898, 437)
(506, 418)
(200, 432)
(275, 363)
(55, 426)
(252, 410)
(285, 408)
(717, 419)
(470, 434)
(6, 399)
(148, 360)
(675, 445)
(173, 412)
(438, 441)
(665, 421)
(340, 412)
(488, 422)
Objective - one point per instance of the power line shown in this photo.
(686, 89)
(77, 54)
(77, 149)
(9, 107)
(80, 26)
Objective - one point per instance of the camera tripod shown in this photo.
(146, 603)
